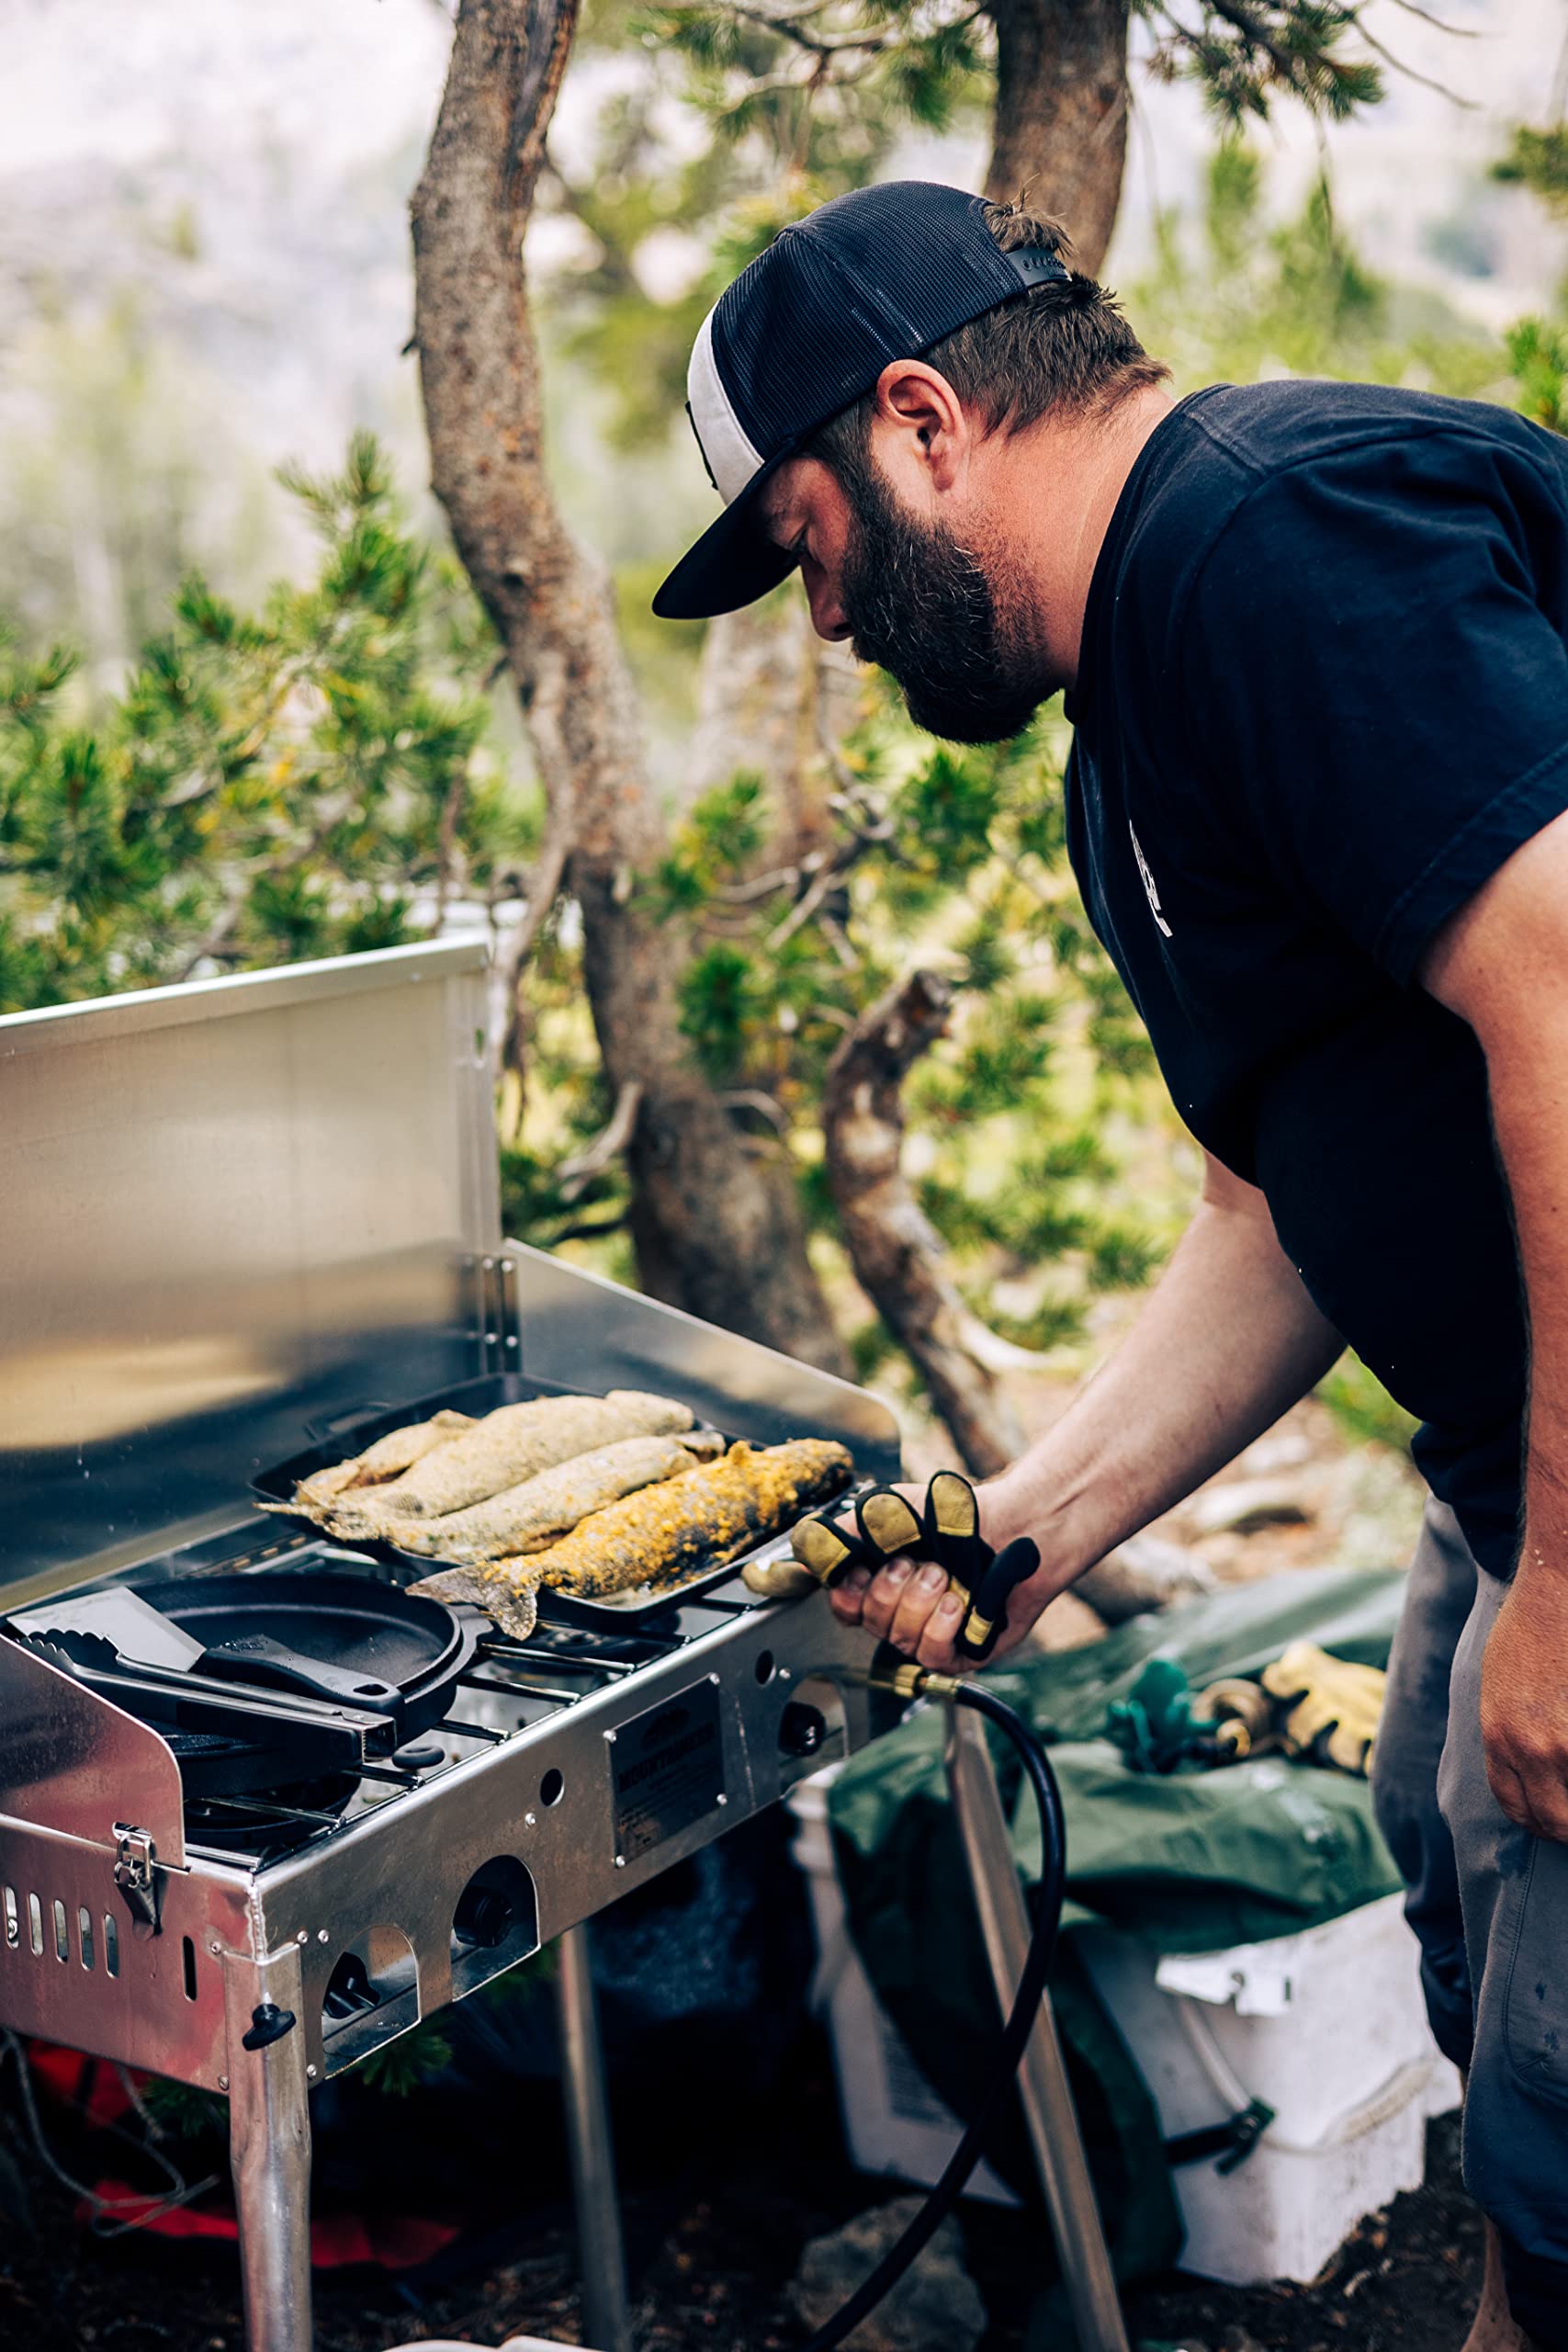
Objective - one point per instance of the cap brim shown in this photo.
(731, 565)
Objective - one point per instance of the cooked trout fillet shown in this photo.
(526, 1518)
(662, 1535)
(390, 1455)
(507, 1446)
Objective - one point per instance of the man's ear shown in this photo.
(921, 429)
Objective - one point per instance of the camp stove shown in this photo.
(238, 1216)
(257, 1944)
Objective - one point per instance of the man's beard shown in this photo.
(922, 607)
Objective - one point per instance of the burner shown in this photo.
(272, 1820)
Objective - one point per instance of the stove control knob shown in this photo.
(802, 1729)
(269, 2024)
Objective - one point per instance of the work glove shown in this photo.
(945, 1529)
(1333, 1707)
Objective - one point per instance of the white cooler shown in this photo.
(1327, 2027)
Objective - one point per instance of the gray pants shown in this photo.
(1489, 1904)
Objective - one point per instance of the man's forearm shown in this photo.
(1227, 1340)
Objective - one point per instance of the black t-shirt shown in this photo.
(1322, 697)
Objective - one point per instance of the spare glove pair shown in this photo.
(1305, 1703)
(946, 1529)
(1333, 1706)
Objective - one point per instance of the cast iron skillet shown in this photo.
(354, 1641)
(400, 1652)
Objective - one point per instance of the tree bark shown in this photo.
(1059, 129)
(773, 700)
(755, 707)
(896, 1256)
(716, 1229)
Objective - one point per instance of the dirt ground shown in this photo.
(713, 2241)
(716, 2220)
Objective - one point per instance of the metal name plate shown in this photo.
(667, 1769)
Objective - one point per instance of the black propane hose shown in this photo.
(913, 1682)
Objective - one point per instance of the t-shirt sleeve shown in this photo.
(1376, 684)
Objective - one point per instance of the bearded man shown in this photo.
(1312, 642)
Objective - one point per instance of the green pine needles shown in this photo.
(314, 778)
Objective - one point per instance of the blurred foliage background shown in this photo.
(194, 781)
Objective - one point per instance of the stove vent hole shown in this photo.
(495, 1924)
(35, 1926)
(62, 1935)
(84, 1937)
(349, 1991)
(111, 1945)
(187, 1952)
(13, 1918)
(812, 1729)
(371, 1995)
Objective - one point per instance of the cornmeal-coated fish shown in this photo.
(514, 1442)
(390, 1455)
(528, 1517)
(662, 1535)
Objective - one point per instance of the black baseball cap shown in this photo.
(807, 327)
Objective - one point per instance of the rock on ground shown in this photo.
(1068, 1624)
(1247, 1505)
(936, 2303)
(1143, 1574)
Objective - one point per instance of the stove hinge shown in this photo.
(135, 1874)
(500, 1328)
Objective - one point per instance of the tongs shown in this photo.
(329, 1737)
(946, 1529)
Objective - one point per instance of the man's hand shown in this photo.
(1524, 1704)
(912, 1604)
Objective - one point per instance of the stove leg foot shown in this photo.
(606, 2322)
(1044, 2092)
(269, 2148)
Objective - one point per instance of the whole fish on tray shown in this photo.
(388, 1459)
(526, 1518)
(660, 1536)
(514, 1442)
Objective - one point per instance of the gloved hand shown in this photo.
(1333, 1706)
(894, 1524)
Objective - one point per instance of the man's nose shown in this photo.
(827, 613)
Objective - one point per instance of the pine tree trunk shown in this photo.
(896, 1256)
(717, 1230)
(754, 714)
(1059, 129)
(775, 702)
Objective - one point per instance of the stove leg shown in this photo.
(269, 2150)
(1048, 2110)
(606, 2322)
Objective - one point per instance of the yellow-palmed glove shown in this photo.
(1333, 1706)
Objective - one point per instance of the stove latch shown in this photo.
(135, 1876)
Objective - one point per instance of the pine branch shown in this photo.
(897, 1256)
(1441, 24)
(1410, 72)
(574, 1176)
(446, 838)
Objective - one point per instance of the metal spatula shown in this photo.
(141, 1635)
